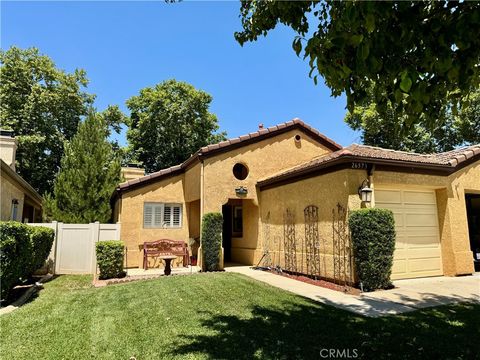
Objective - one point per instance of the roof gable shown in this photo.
(229, 145)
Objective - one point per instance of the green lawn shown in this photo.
(221, 315)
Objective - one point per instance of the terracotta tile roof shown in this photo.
(224, 146)
(448, 161)
(273, 130)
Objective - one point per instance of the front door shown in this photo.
(473, 215)
(227, 232)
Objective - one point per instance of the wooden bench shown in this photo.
(164, 247)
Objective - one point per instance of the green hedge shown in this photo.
(373, 238)
(23, 249)
(42, 239)
(212, 226)
(110, 259)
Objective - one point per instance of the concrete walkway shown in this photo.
(408, 295)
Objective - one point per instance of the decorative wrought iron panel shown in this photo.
(342, 249)
(312, 240)
(289, 247)
(267, 244)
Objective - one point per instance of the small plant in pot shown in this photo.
(194, 244)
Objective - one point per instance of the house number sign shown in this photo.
(359, 165)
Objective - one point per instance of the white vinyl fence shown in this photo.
(73, 250)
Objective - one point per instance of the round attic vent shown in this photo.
(240, 171)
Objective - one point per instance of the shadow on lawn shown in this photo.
(301, 332)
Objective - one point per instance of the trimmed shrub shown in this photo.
(23, 249)
(42, 241)
(373, 239)
(212, 226)
(110, 259)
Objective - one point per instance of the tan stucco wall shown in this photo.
(456, 250)
(263, 159)
(133, 233)
(192, 183)
(10, 191)
(194, 219)
(326, 190)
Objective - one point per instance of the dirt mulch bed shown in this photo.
(318, 282)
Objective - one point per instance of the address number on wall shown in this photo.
(359, 165)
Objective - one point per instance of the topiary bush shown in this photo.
(110, 259)
(212, 226)
(373, 240)
(23, 249)
(42, 241)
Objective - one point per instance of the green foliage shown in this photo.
(168, 123)
(24, 249)
(391, 130)
(212, 226)
(421, 56)
(373, 238)
(43, 106)
(90, 171)
(110, 259)
(42, 241)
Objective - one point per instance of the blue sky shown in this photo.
(126, 46)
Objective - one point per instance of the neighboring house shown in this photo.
(19, 200)
(254, 179)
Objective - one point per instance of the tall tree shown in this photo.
(89, 173)
(421, 56)
(388, 130)
(43, 106)
(168, 123)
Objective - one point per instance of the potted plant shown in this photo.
(194, 244)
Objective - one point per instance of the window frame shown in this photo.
(170, 224)
(237, 232)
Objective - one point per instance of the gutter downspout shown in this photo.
(370, 172)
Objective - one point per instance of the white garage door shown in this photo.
(417, 250)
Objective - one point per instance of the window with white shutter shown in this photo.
(167, 215)
(177, 216)
(159, 215)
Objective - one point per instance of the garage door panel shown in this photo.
(399, 267)
(420, 220)
(423, 241)
(419, 197)
(388, 196)
(417, 247)
(398, 217)
(424, 265)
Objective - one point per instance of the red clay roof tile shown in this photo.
(235, 142)
(450, 159)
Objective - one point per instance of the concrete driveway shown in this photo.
(408, 295)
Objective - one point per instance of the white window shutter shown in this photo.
(147, 215)
(177, 215)
(167, 215)
(157, 216)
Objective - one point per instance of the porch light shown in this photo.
(241, 190)
(365, 191)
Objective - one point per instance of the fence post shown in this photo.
(58, 239)
(53, 252)
(95, 236)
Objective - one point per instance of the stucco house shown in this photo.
(267, 182)
(19, 200)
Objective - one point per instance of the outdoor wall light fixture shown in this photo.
(241, 190)
(365, 191)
